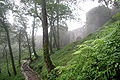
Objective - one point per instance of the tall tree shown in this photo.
(54, 21)
(57, 1)
(28, 44)
(33, 39)
(6, 56)
(22, 20)
(3, 19)
(9, 45)
(48, 62)
(51, 34)
(19, 42)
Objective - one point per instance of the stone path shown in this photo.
(29, 74)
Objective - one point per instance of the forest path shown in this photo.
(28, 73)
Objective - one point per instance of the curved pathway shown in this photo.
(29, 74)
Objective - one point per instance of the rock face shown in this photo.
(97, 17)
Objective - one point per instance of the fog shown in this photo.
(90, 18)
(95, 18)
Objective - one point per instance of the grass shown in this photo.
(92, 58)
(96, 57)
(4, 75)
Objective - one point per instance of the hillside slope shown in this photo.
(96, 57)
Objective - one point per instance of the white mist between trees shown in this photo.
(72, 24)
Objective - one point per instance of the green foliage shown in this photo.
(64, 11)
(4, 75)
(116, 17)
(96, 57)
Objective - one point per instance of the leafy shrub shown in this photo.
(116, 17)
(96, 57)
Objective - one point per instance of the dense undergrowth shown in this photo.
(3, 67)
(4, 74)
(96, 57)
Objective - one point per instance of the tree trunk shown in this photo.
(3, 55)
(33, 44)
(19, 42)
(10, 50)
(7, 64)
(47, 59)
(28, 42)
(55, 41)
(53, 44)
(33, 39)
(50, 44)
(29, 47)
(58, 26)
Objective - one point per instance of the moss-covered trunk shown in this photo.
(47, 59)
